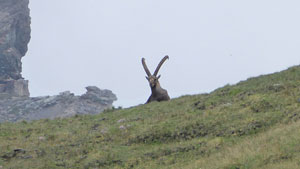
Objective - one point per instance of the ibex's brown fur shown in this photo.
(158, 93)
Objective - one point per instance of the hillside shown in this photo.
(253, 124)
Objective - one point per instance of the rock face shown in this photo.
(15, 103)
(14, 37)
(14, 88)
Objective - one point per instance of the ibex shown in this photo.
(157, 93)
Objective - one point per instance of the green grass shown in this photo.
(253, 124)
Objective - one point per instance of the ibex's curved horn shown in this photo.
(160, 64)
(145, 67)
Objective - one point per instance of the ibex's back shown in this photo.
(157, 93)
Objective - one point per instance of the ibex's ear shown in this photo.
(147, 78)
(158, 77)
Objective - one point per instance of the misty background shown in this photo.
(78, 43)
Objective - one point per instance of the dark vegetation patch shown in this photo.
(200, 148)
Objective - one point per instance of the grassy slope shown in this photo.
(254, 124)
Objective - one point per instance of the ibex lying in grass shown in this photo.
(158, 93)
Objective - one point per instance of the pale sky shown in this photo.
(211, 43)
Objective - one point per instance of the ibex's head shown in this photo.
(153, 79)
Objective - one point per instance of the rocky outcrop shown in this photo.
(15, 103)
(65, 104)
(14, 38)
